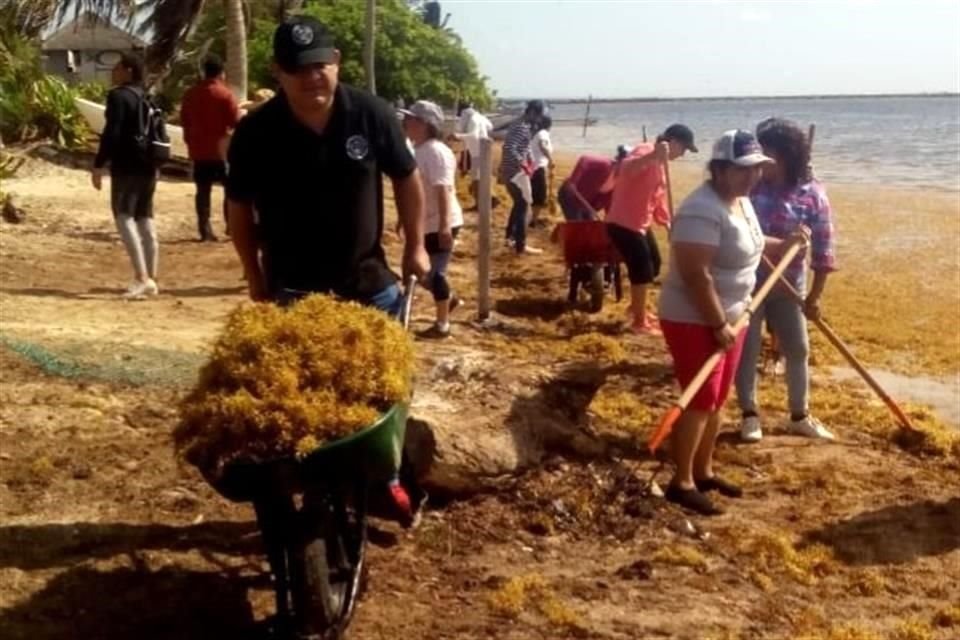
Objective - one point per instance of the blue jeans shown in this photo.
(389, 300)
(517, 224)
(790, 326)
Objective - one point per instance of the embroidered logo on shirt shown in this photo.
(302, 34)
(357, 147)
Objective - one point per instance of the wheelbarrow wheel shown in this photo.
(617, 282)
(573, 285)
(326, 564)
(596, 289)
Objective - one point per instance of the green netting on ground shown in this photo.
(112, 362)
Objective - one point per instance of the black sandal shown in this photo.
(693, 500)
(720, 485)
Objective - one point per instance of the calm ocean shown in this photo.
(897, 141)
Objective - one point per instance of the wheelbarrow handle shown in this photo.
(409, 289)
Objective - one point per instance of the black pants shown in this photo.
(538, 187)
(638, 250)
(205, 174)
(517, 223)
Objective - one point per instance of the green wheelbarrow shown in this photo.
(316, 550)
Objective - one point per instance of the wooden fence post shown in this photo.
(484, 205)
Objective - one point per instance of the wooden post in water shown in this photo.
(810, 134)
(483, 228)
(644, 133)
(586, 116)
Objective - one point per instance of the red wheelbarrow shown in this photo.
(593, 261)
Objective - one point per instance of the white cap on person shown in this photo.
(739, 147)
(426, 111)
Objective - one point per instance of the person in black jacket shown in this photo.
(133, 175)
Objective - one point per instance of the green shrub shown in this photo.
(33, 104)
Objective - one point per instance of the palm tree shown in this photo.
(368, 40)
(29, 17)
(236, 37)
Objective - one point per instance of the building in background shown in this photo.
(87, 48)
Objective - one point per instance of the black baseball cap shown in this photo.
(301, 41)
(682, 134)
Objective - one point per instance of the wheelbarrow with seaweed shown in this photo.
(312, 512)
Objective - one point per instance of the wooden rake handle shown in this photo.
(850, 358)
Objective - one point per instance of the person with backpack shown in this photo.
(132, 143)
(208, 114)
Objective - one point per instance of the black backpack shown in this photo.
(152, 139)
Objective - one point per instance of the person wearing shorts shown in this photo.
(716, 245)
(541, 149)
(423, 124)
(133, 176)
(639, 198)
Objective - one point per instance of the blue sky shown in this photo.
(686, 48)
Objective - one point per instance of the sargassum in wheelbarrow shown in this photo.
(282, 382)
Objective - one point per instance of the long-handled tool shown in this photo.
(842, 348)
(409, 290)
(666, 175)
(586, 205)
(666, 424)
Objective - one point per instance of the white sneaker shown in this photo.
(780, 367)
(750, 429)
(810, 427)
(142, 289)
(531, 251)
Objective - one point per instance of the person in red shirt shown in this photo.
(208, 114)
(581, 195)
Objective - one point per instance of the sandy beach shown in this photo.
(104, 535)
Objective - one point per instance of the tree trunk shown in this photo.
(236, 65)
(368, 48)
(286, 8)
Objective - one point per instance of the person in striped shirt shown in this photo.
(516, 167)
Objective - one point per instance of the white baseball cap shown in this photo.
(426, 111)
(739, 147)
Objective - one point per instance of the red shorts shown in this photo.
(690, 345)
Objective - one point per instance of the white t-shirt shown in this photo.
(541, 141)
(705, 219)
(472, 127)
(438, 167)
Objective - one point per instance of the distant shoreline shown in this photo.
(556, 101)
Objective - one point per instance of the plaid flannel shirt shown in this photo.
(781, 212)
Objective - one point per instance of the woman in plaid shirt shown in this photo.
(786, 198)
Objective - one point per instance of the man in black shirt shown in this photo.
(305, 192)
(310, 163)
(133, 176)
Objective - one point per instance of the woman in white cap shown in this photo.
(423, 123)
(716, 245)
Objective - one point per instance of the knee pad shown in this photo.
(440, 287)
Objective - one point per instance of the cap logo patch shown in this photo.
(302, 34)
(357, 147)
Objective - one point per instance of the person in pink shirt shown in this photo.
(638, 199)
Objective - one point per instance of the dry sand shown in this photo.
(103, 535)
